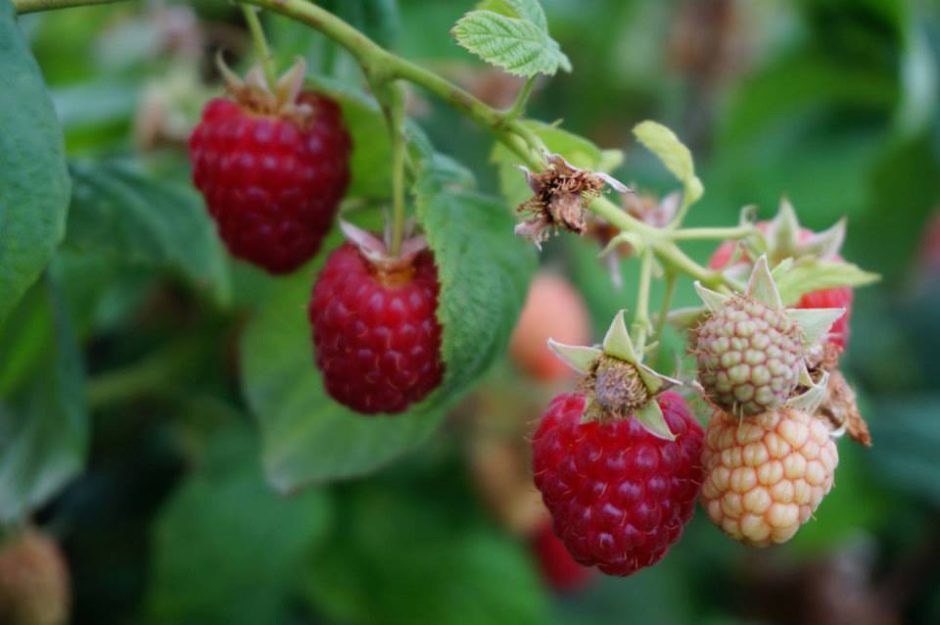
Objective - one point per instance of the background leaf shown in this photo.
(34, 183)
(44, 432)
(387, 548)
(120, 209)
(227, 548)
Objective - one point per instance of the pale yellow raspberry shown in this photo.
(765, 475)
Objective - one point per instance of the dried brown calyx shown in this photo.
(560, 195)
(617, 388)
(841, 409)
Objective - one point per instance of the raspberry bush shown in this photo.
(312, 242)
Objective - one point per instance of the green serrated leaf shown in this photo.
(44, 432)
(677, 158)
(516, 45)
(121, 210)
(809, 274)
(34, 182)
(529, 10)
(484, 273)
(224, 534)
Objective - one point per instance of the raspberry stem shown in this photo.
(262, 50)
(395, 113)
(641, 318)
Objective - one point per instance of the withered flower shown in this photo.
(560, 195)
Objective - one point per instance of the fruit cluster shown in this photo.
(621, 463)
(273, 166)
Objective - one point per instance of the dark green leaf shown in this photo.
(34, 183)
(396, 559)
(906, 436)
(121, 210)
(44, 433)
(227, 548)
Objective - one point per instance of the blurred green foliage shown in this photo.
(833, 104)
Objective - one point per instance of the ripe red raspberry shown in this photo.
(375, 331)
(272, 181)
(840, 297)
(559, 570)
(619, 496)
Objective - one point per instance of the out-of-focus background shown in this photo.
(834, 104)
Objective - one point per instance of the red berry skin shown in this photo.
(840, 297)
(376, 337)
(272, 187)
(560, 571)
(619, 496)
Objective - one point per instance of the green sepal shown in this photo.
(617, 342)
(713, 299)
(810, 400)
(652, 419)
(814, 322)
(579, 357)
(761, 286)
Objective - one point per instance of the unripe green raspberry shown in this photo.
(766, 475)
(748, 355)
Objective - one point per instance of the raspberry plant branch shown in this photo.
(670, 279)
(24, 7)
(262, 49)
(381, 66)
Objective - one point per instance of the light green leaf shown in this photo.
(677, 158)
(516, 45)
(228, 549)
(34, 182)
(483, 270)
(122, 210)
(808, 274)
(529, 10)
(44, 433)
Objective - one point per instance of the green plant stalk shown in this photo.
(395, 115)
(522, 99)
(641, 318)
(666, 305)
(713, 234)
(380, 67)
(34, 6)
(262, 50)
